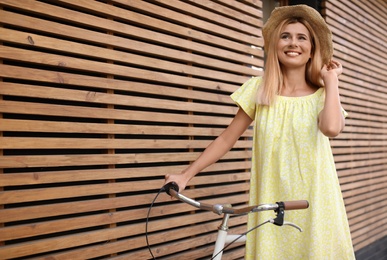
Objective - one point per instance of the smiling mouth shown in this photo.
(292, 53)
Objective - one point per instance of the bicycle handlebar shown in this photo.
(172, 189)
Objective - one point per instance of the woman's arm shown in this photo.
(331, 119)
(219, 147)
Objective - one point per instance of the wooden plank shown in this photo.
(363, 114)
(255, 3)
(351, 60)
(371, 229)
(145, 48)
(37, 177)
(361, 129)
(235, 10)
(161, 38)
(360, 83)
(102, 143)
(77, 190)
(246, 6)
(11, 125)
(353, 180)
(169, 14)
(83, 206)
(359, 215)
(358, 25)
(28, 108)
(127, 244)
(361, 136)
(62, 242)
(354, 43)
(364, 189)
(103, 159)
(351, 201)
(353, 10)
(208, 11)
(68, 79)
(363, 225)
(359, 157)
(343, 173)
(357, 150)
(88, 66)
(94, 220)
(88, 51)
(67, 241)
(343, 165)
(376, 14)
(366, 142)
(370, 238)
(89, 97)
(362, 95)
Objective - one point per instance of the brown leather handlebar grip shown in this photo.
(296, 204)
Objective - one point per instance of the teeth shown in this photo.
(290, 53)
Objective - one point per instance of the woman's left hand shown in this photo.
(333, 68)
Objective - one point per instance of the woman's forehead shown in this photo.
(295, 28)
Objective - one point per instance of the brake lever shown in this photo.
(293, 225)
(273, 221)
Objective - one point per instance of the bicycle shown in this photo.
(227, 210)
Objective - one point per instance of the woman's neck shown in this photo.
(294, 83)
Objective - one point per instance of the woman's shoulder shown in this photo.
(255, 80)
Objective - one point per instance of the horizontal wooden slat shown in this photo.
(35, 91)
(68, 208)
(129, 30)
(75, 191)
(123, 43)
(37, 177)
(11, 125)
(105, 113)
(65, 79)
(102, 159)
(351, 181)
(100, 67)
(101, 143)
(244, 13)
(198, 18)
(113, 246)
(80, 239)
(99, 219)
(92, 52)
(175, 16)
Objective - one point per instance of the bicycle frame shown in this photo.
(223, 238)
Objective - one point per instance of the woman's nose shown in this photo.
(294, 42)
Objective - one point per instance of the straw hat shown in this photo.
(309, 14)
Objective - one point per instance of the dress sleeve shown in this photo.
(321, 105)
(245, 96)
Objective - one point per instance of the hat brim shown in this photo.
(311, 15)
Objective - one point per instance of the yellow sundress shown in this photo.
(293, 160)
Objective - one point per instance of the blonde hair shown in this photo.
(272, 80)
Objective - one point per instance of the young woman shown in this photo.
(296, 108)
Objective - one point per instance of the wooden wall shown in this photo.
(360, 30)
(99, 100)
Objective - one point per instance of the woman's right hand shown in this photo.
(180, 179)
